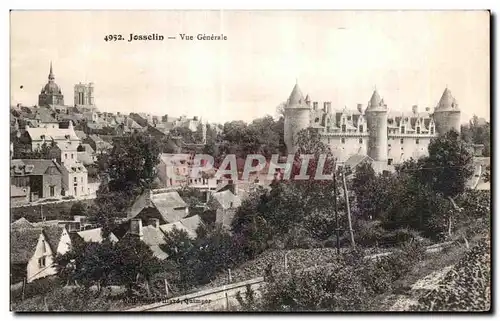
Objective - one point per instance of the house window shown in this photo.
(231, 204)
(75, 190)
(401, 141)
(81, 179)
(417, 141)
(389, 161)
(418, 130)
(432, 130)
(65, 156)
(361, 140)
(74, 180)
(71, 155)
(41, 262)
(360, 128)
(342, 140)
(402, 129)
(343, 128)
(52, 191)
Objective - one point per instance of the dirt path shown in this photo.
(429, 282)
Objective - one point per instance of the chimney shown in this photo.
(328, 107)
(136, 227)
(154, 222)
(414, 109)
(325, 104)
(360, 108)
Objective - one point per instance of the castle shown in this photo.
(388, 137)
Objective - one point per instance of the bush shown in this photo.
(37, 287)
(300, 238)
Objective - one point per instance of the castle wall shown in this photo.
(401, 151)
(446, 120)
(343, 147)
(296, 119)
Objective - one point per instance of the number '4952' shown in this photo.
(113, 37)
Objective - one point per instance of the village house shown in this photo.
(31, 256)
(74, 173)
(173, 169)
(225, 204)
(165, 205)
(34, 138)
(37, 178)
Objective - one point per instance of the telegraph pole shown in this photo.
(348, 208)
(337, 228)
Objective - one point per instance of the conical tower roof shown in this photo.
(375, 100)
(447, 100)
(296, 99)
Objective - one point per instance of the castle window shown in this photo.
(344, 128)
(418, 130)
(65, 156)
(402, 129)
(401, 141)
(361, 128)
(317, 119)
(342, 140)
(361, 140)
(417, 141)
(348, 117)
(389, 161)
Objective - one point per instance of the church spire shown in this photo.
(51, 74)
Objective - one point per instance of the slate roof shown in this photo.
(167, 228)
(169, 204)
(95, 235)
(23, 244)
(34, 167)
(225, 198)
(80, 134)
(51, 133)
(153, 238)
(192, 222)
(21, 223)
(53, 236)
(354, 160)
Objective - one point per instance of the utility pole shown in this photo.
(337, 228)
(348, 208)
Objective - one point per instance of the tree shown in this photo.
(79, 209)
(448, 167)
(184, 132)
(132, 162)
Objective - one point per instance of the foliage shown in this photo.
(132, 162)
(106, 263)
(467, 287)
(478, 131)
(42, 153)
(78, 209)
(448, 167)
(199, 260)
(187, 134)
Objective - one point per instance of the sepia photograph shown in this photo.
(250, 161)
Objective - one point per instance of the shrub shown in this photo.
(37, 287)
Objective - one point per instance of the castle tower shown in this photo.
(376, 119)
(51, 93)
(447, 114)
(296, 117)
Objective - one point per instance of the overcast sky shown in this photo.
(338, 56)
